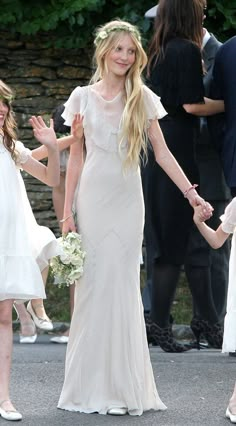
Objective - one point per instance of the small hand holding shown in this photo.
(77, 128)
(45, 135)
(202, 213)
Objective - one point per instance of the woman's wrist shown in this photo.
(66, 217)
(191, 191)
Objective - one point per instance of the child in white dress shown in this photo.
(216, 239)
(25, 247)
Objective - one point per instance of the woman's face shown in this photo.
(3, 112)
(121, 57)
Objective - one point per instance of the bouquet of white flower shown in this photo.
(68, 267)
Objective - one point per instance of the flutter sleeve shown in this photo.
(229, 217)
(22, 153)
(75, 104)
(153, 106)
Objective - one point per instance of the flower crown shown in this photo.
(103, 34)
(8, 98)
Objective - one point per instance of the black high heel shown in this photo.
(213, 333)
(163, 337)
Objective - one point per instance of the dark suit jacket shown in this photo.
(224, 87)
(212, 181)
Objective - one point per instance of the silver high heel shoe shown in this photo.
(26, 338)
(42, 323)
(12, 415)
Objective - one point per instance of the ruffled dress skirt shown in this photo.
(25, 247)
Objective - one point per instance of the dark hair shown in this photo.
(176, 18)
(58, 121)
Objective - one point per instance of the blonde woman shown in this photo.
(108, 368)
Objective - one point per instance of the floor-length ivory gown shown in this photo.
(107, 362)
(25, 247)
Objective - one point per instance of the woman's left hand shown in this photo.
(195, 200)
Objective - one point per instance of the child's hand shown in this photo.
(45, 135)
(77, 128)
(202, 212)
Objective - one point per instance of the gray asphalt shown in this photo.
(195, 386)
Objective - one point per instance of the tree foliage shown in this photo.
(73, 21)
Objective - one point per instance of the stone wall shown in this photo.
(42, 78)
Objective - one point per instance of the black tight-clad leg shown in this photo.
(205, 321)
(164, 283)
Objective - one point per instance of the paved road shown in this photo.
(195, 386)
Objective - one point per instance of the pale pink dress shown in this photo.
(107, 361)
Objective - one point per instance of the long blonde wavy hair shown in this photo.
(134, 119)
(9, 126)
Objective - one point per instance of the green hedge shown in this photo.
(74, 21)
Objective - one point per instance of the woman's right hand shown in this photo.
(69, 226)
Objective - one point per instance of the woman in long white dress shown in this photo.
(216, 239)
(25, 247)
(108, 368)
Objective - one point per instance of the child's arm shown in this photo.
(49, 174)
(215, 238)
(63, 142)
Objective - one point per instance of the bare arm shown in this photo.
(49, 174)
(210, 107)
(169, 164)
(74, 169)
(215, 238)
(64, 142)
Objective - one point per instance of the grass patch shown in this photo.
(182, 306)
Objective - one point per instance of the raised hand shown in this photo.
(77, 128)
(44, 134)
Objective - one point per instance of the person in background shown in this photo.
(216, 238)
(31, 321)
(36, 317)
(203, 264)
(223, 86)
(175, 73)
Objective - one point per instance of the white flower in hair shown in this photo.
(103, 34)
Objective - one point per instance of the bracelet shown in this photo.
(64, 220)
(185, 193)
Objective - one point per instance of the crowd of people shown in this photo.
(139, 139)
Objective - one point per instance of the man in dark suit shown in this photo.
(224, 87)
(204, 263)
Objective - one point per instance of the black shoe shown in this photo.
(213, 333)
(164, 338)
